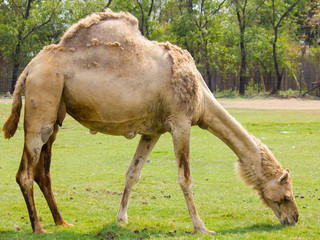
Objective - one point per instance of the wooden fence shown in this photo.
(305, 78)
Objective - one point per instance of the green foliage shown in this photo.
(289, 93)
(229, 93)
(42, 25)
(17, 26)
(251, 88)
(208, 29)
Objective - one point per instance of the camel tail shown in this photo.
(11, 125)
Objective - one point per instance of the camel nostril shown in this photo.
(289, 221)
(284, 221)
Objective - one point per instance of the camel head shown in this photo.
(277, 194)
(272, 183)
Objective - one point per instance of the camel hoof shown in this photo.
(204, 231)
(63, 224)
(67, 225)
(41, 231)
(122, 219)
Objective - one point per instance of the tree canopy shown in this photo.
(229, 36)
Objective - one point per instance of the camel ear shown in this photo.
(284, 178)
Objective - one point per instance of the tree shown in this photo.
(309, 26)
(142, 9)
(228, 36)
(245, 11)
(280, 10)
(196, 29)
(27, 26)
(144, 23)
(21, 19)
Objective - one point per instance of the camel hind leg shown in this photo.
(35, 166)
(26, 173)
(133, 173)
(43, 111)
(43, 179)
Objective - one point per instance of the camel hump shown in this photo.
(96, 18)
(11, 125)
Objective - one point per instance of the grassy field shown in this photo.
(88, 173)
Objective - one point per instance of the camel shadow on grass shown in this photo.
(106, 232)
(256, 228)
(115, 231)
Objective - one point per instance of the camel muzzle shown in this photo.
(289, 220)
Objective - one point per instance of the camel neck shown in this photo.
(219, 122)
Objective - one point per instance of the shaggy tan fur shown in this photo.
(268, 169)
(95, 18)
(55, 48)
(96, 42)
(184, 79)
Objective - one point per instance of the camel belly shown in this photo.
(129, 129)
(116, 115)
(121, 100)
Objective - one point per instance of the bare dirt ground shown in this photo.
(285, 104)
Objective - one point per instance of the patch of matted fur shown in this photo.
(268, 169)
(96, 42)
(95, 18)
(184, 77)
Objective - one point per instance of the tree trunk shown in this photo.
(243, 64)
(276, 66)
(15, 73)
(17, 52)
(274, 45)
(142, 18)
(16, 63)
(241, 15)
(209, 76)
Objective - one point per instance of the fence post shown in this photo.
(8, 76)
(300, 80)
(215, 82)
(258, 74)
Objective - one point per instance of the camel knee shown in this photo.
(186, 184)
(132, 177)
(37, 136)
(24, 180)
(46, 131)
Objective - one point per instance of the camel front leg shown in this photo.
(133, 173)
(181, 140)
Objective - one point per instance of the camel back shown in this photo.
(117, 37)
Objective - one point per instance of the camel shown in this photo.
(112, 80)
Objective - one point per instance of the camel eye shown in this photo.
(277, 202)
(287, 199)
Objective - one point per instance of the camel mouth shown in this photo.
(289, 221)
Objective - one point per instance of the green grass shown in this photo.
(88, 173)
